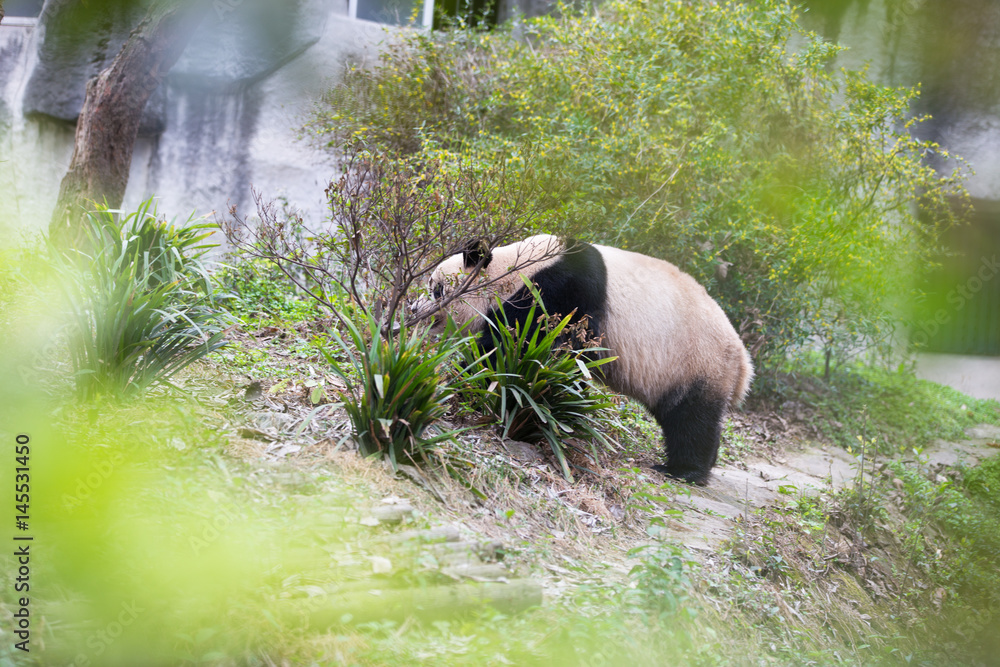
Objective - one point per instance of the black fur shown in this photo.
(476, 252)
(577, 281)
(691, 419)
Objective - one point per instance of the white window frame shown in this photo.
(426, 19)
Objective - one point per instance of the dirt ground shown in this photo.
(527, 505)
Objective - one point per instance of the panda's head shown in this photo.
(486, 274)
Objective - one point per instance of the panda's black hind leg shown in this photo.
(691, 420)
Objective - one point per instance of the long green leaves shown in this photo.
(535, 386)
(538, 388)
(395, 389)
(141, 303)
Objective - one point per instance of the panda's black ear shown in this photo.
(475, 252)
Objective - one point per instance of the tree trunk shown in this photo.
(112, 109)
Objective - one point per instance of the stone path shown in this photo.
(732, 492)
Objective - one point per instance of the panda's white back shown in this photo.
(666, 330)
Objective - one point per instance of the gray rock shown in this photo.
(523, 451)
(78, 41)
(984, 432)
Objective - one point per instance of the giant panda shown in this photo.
(677, 352)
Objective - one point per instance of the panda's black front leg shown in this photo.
(691, 420)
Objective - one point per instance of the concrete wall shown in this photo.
(217, 141)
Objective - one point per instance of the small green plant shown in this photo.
(395, 390)
(635, 429)
(661, 579)
(811, 513)
(538, 386)
(863, 502)
(983, 481)
(260, 290)
(735, 446)
(142, 305)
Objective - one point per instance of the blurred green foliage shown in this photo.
(141, 303)
(714, 135)
(149, 547)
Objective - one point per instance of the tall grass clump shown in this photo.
(395, 388)
(715, 135)
(141, 303)
(539, 386)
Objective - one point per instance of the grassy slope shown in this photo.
(163, 505)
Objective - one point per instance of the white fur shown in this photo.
(667, 331)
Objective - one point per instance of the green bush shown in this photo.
(392, 220)
(538, 387)
(983, 481)
(395, 389)
(142, 306)
(714, 135)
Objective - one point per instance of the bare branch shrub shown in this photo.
(393, 219)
